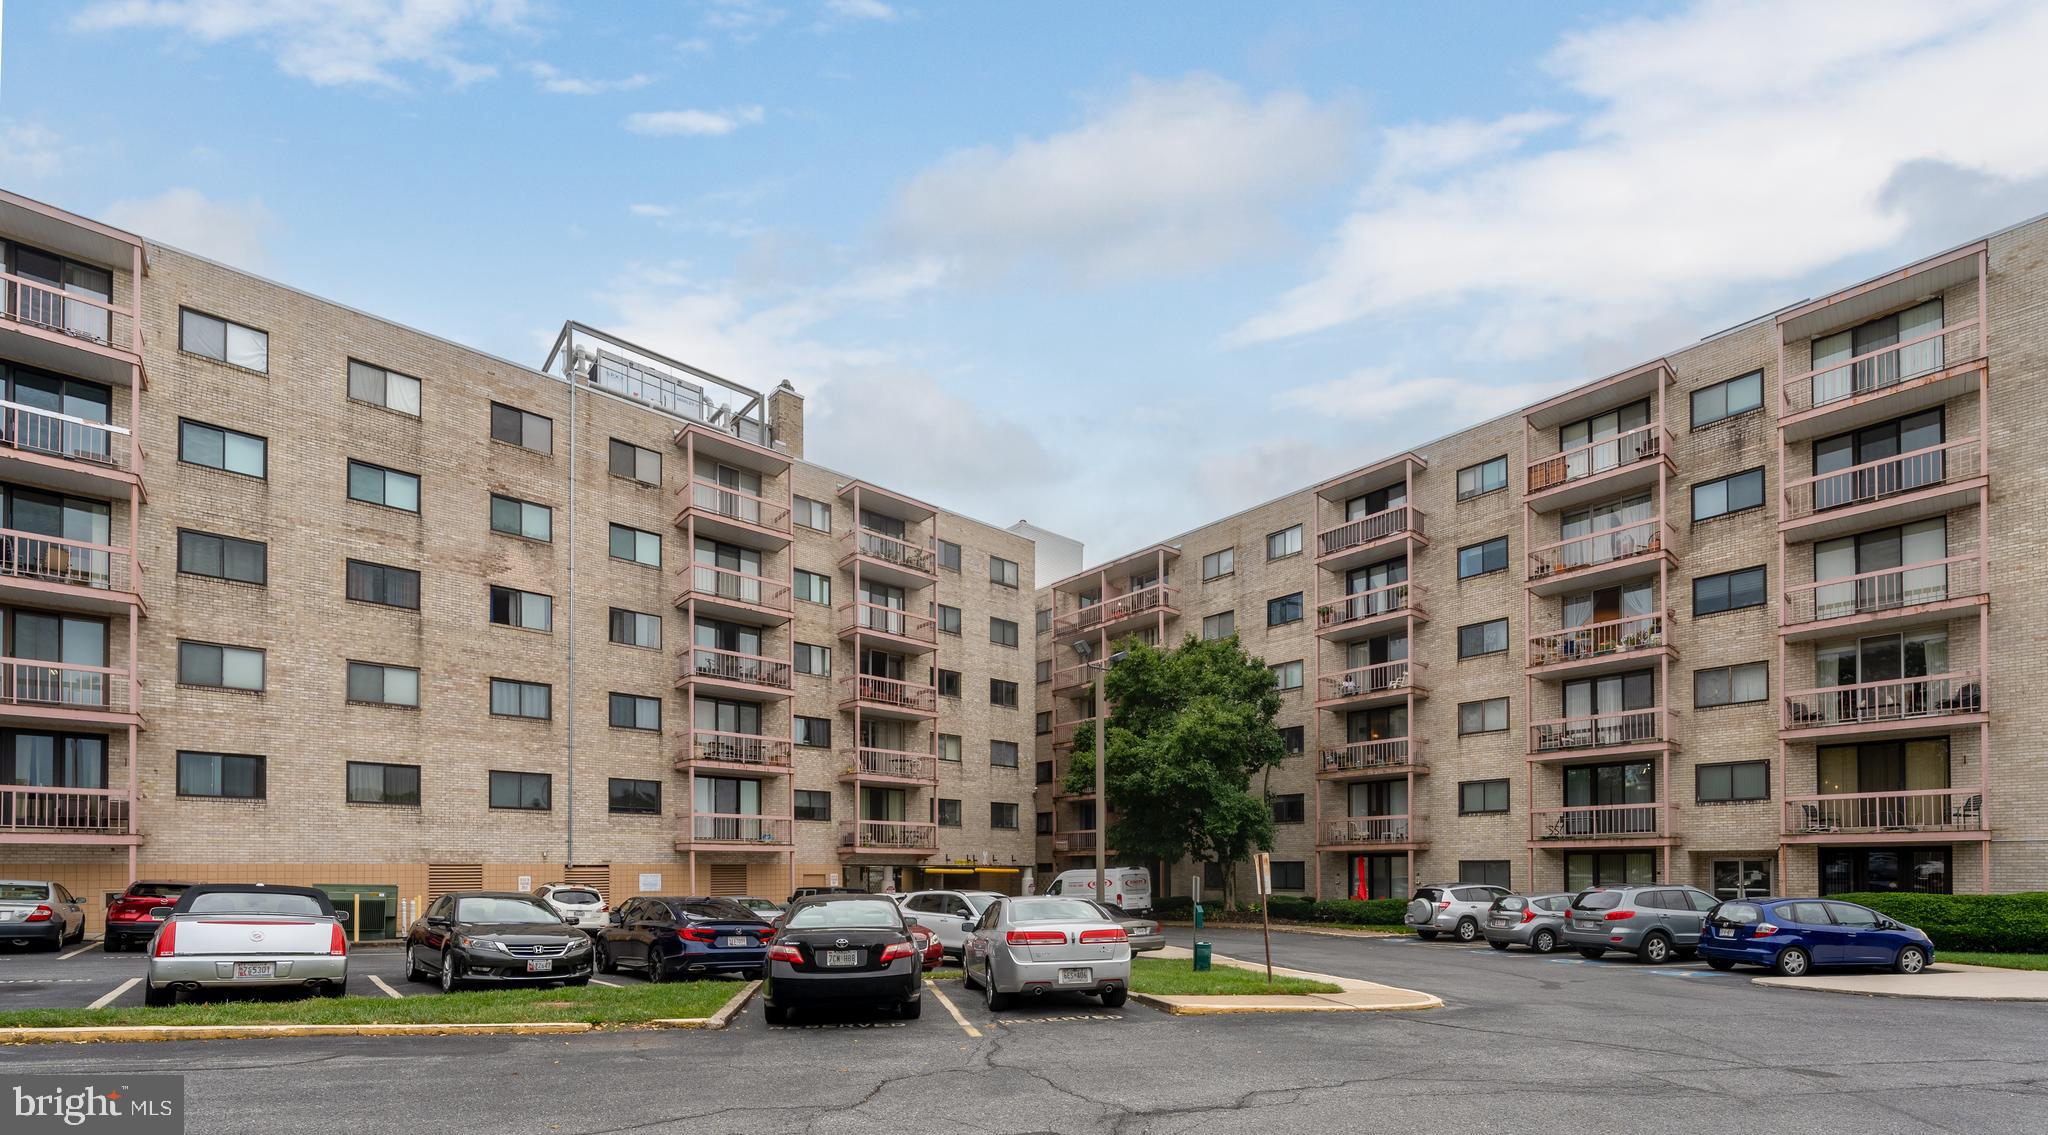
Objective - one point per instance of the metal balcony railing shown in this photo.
(1645, 443)
(1379, 678)
(52, 434)
(1597, 731)
(888, 835)
(1116, 608)
(1887, 589)
(1596, 549)
(890, 692)
(896, 764)
(1599, 821)
(738, 749)
(1350, 830)
(52, 559)
(732, 666)
(1872, 481)
(1595, 640)
(68, 811)
(707, 581)
(38, 304)
(1868, 813)
(882, 619)
(712, 827)
(890, 550)
(1884, 367)
(31, 683)
(1367, 529)
(713, 499)
(1391, 754)
(1894, 699)
(1394, 598)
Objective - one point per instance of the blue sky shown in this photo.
(1118, 269)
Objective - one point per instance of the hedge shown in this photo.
(2013, 924)
(1293, 908)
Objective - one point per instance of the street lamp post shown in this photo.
(1086, 650)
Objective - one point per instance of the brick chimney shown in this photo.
(786, 418)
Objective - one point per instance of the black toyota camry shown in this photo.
(842, 951)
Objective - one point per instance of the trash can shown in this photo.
(1201, 956)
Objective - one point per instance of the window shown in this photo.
(1731, 685)
(1002, 571)
(1284, 610)
(374, 484)
(1289, 875)
(223, 557)
(370, 783)
(635, 797)
(522, 791)
(1002, 754)
(1286, 542)
(225, 775)
(1222, 624)
(1737, 492)
(635, 628)
(1042, 723)
(948, 683)
(515, 517)
(371, 683)
(1216, 565)
(1485, 873)
(223, 667)
(1212, 874)
(1485, 477)
(634, 463)
(521, 699)
(814, 732)
(1728, 398)
(380, 387)
(528, 610)
(1045, 828)
(813, 805)
(1476, 639)
(1044, 672)
(947, 813)
(631, 711)
(515, 426)
(1480, 559)
(1044, 620)
(1733, 781)
(1288, 809)
(1295, 737)
(222, 341)
(1002, 632)
(636, 546)
(813, 659)
(813, 514)
(1479, 797)
(1002, 693)
(216, 447)
(383, 585)
(949, 555)
(949, 747)
(1002, 817)
(1489, 716)
(1042, 774)
(812, 587)
(1728, 591)
(1289, 675)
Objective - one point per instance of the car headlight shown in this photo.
(579, 944)
(469, 943)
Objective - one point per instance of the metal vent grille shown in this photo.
(728, 878)
(596, 876)
(445, 877)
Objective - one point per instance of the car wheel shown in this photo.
(151, 995)
(1426, 935)
(1911, 959)
(1656, 950)
(656, 971)
(775, 1014)
(911, 1010)
(1114, 998)
(1543, 941)
(451, 973)
(334, 989)
(1792, 962)
(414, 971)
(968, 979)
(1722, 964)
(1593, 952)
(605, 962)
(1497, 943)
(997, 1002)
(1468, 930)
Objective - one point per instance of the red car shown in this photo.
(928, 946)
(130, 918)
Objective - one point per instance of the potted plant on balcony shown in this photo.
(1323, 612)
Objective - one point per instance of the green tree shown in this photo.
(1189, 731)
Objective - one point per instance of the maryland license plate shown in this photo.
(842, 957)
(540, 965)
(1078, 975)
(733, 940)
(255, 970)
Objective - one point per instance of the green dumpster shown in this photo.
(1201, 956)
(378, 909)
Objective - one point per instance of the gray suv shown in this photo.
(1458, 909)
(1653, 921)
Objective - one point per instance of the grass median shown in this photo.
(2003, 961)
(594, 1004)
(1174, 977)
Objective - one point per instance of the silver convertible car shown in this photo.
(247, 936)
(1047, 945)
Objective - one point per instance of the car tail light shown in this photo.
(696, 934)
(1529, 914)
(895, 950)
(1114, 935)
(1445, 905)
(337, 942)
(604, 907)
(1036, 938)
(1618, 915)
(40, 914)
(784, 952)
(167, 940)
(766, 932)
(1763, 930)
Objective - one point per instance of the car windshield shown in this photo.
(255, 902)
(23, 892)
(1508, 904)
(715, 909)
(502, 910)
(577, 898)
(158, 890)
(1598, 900)
(1054, 910)
(853, 914)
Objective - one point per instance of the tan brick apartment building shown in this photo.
(299, 594)
(1724, 618)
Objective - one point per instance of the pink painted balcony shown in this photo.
(1889, 706)
(94, 446)
(861, 617)
(742, 751)
(894, 765)
(1924, 482)
(889, 552)
(1598, 458)
(1565, 736)
(1597, 823)
(101, 575)
(735, 593)
(888, 694)
(1075, 842)
(1067, 713)
(1610, 553)
(59, 815)
(1361, 759)
(1368, 531)
(1353, 615)
(1146, 601)
(1896, 815)
(752, 672)
(1884, 369)
(1608, 640)
(50, 308)
(888, 837)
(712, 501)
(1381, 681)
(1370, 831)
(736, 831)
(62, 691)
(1888, 595)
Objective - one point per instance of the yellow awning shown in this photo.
(997, 870)
(949, 870)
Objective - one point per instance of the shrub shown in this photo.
(1174, 907)
(1369, 912)
(2014, 924)
(1292, 908)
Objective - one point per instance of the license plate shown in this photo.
(255, 969)
(1497, 922)
(540, 965)
(1725, 933)
(732, 940)
(1080, 975)
(6, 915)
(842, 957)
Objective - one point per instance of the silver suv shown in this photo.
(1650, 920)
(1458, 909)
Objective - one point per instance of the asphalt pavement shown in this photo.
(1523, 1043)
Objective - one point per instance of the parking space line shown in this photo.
(958, 1019)
(388, 991)
(78, 951)
(118, 991)
(606, 984)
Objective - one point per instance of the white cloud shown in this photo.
(1728, 145)
(1174, 175)
(1412, 151)
(555, 82)
(693, 123)
(645, 210)
(861, 9)
(232, 232)
(30, 151)
(1379, 394)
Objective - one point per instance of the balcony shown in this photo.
(734, 515)
(739, 752)
(1598, 825)
(1066, 714)
(888, 837)
(1360, 760)
(894, 624)
(1377, 684)
(1889, 597)
(1364, 613)
(749, 675)
(1371, 833)
(887, 559)
(735, 596)
(895, 766)
(1612, 644)
(1359, 541)
(1114, 612)
(1598, 558)
(1891, 490)
(888, 697)
(47, 327)
(30, 814)
(59, 693)
(59, 451)
(1562, 738)
(1898, 817)
(1076, 842)
(1886, 708)
(1072, 681)
(712, 831)
(1888, 382)
(1608, 467)
(69, 574)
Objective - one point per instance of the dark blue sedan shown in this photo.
(1791, 936)
(693, 936)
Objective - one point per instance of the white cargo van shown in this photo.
(1129, 887)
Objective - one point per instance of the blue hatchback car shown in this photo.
(1791, 936)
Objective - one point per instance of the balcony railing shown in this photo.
(1116, 608)
(732, 666)
(1594, 458)
(890, 550)
(1895, 699)
(1367, 529)
(1067, 713)
(1609, 545)
(51, 308)
(1867, 813)
(27, 682)
(1887, 589)
(714, 499)
(1380, 678)
(52, 559)
(1957, 460)
(1595, 640)
(1075, 841)
(896, 764)
(70, 811)
(1884, 367)
(1391, 754)
(1599, 821)
(706, 581)
(1350, 830)
(1362, 605)
(888, 835)
(1597, 731)
(890, 692)
(713, 827)
(61, 435)
(738, 749)
(865, 616)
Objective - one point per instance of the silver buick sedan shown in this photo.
(1047, 945)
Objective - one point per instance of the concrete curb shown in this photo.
(1309, 1003)
(1353, 996)
(717, 1020)
(1978, 983)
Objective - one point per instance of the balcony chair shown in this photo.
(1812, 821)
(1967, 699)
(1969, 817)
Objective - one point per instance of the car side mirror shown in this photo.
(436, 920)
(618, 918)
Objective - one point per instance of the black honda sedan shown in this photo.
(843, 951)
(495, 938)
(666, 938)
